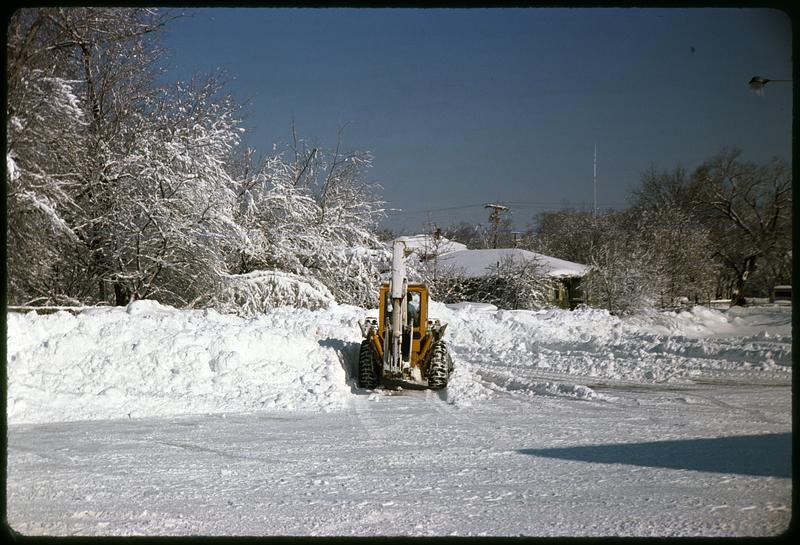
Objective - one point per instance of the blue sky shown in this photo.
(464, 107)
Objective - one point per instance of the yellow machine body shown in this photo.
(403, 342)
(419, 339)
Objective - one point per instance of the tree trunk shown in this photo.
(122, 295)
(737, 298)
(741, 279)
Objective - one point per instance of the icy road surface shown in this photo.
(555, 424)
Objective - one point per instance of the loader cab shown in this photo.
(417, 318)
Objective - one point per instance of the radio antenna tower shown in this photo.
(594, 179)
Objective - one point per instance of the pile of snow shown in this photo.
(477, 263)
(734, 322)
(537, 350)
(153, 360)
(473, 307)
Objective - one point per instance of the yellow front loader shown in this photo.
(403, 342)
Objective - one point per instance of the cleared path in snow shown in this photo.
(710, 460)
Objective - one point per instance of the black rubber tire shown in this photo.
(440, 366)
(368, 370)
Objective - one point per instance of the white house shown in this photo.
(475, 263)
(480, 263)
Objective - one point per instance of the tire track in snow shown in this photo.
(522, 388)
(412, 399)
(755, 414)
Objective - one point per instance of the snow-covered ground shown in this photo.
(152, 420)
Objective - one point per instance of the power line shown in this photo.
(427, 210)
(563, 204)
(517, 204)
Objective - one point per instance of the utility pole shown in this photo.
(494, 219)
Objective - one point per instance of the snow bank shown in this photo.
(734, 322)
(475, 307)
(537, 350)
(153, 360)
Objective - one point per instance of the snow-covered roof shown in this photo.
(476, 263)
(426, 244)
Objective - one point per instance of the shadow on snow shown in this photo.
(348, 357)
(768, 455)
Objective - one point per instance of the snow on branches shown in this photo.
(314, 217)
(120, 188)
(257, 292)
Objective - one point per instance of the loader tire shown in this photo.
(440, 366)
(368, 371)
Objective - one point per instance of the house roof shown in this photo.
(426, 244)
(476, 263)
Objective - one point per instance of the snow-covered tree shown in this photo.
(120, 188)
(131, 176)
(74, 76)
(43, 157)
(681, 256)
(624, 275)
(566, 234)
(175, 219)
(472, 235)
(650, 258)
(313, 216)
(728, 224)
(660, 189)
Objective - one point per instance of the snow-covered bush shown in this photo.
(447, 284)
(509, 285)
(512, 285)
(259, 291)
(620, 279)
